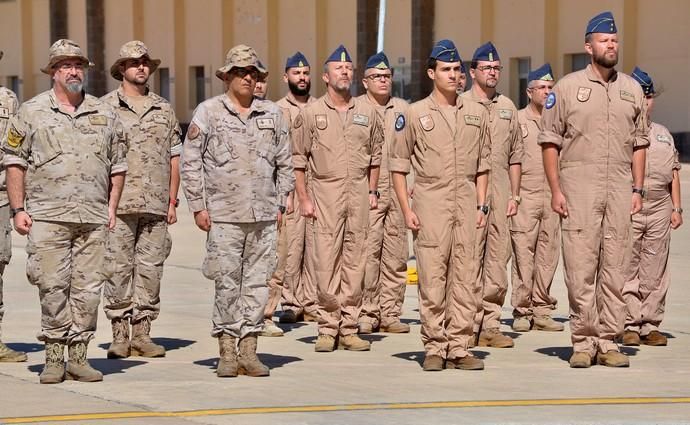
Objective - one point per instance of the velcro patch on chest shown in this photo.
(427, 122)
(583, 94)
(265, 123)
(663, 138)
(525, 130)
(473, 120)
(627, 96)
(399, 121)
(98, 120)
(321, 122)
(4, 113)
(505, 114)
(160, 119)
(360, 119)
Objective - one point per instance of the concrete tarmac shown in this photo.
(528, 384)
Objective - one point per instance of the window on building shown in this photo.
(576, 61)
(197, 86)
(163, 83)
(519, 72)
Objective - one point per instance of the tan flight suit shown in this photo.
(534, 230)
(596, 125)
(69, 158)
(140, 242)
(385, 275)
(446, 148)
(647, 274)
(8, 108)
(290, 280)
(238, 169)
(339, 149)
(493, 242)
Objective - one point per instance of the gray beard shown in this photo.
(74, 87)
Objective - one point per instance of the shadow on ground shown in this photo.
(26, 347)
(105, 366)
(271, 360)
(562, 353)
(170, 344)
(412, 356)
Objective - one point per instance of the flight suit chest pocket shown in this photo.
(45, 147)
(320, 148)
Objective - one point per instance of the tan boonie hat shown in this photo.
(133, 50)
(64, 49)
(240, 56)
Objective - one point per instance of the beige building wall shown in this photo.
(185, 33)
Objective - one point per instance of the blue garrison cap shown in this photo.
(296, 61)
(603, 22)
(486, 52)
(543, 73)
(340, 54)
(445, 51)
(378, 61)
(645, 81)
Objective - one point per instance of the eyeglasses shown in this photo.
(69, 66)
(487, 68)
(380, 77)
(243, 72)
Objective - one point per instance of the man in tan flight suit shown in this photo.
(594, 132)
(8, 108)
(339, 138)
(445, 140)
(140, 243)
(534, 230)
(68, 150)
(493, 243)
(647, 277)
(298, 300)
(236, 169)
(385, 276)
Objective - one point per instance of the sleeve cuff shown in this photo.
(10, 159)
(641, 142)
(196, 205)
(399, 165)
(118, 168)
(550, 137)
(176, 150)
(299, 161)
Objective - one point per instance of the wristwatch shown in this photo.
(375, 192)
(175, 202)
(516, 198)
(639, 190)
(282, 209)
(483, 208)
(679, 210)
(15, 211)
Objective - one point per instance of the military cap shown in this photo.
(340, 54)
(240, 56)
(132, 50)
(264, 74)
(486, 52)
(298, 60)
(64, 49)
(603, 23)
(378, 61)
(645, 81)
(543, 73)
(445, 51)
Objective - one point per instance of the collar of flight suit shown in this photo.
(493, 99)
(530, 115)
(291, 99)
(329, 102)
(388, 104)
(589, 72)
(257, 106)
(434, 106)
(87, 105)
(151, 102)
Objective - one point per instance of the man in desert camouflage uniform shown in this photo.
(67, 149)
(140, 242)
(8, 108)
(236, 170)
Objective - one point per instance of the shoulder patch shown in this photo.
(4, 112)
(14, 139)
(473, 120)
(265, 123)
(427, 122)
(627, 96)
(550, 100)
(98, 120)
(525, 130)
(505, 114)
(663, 138)
(321, 121)
(400, 122)
(583, 94)
(360, 119)
(193, 132)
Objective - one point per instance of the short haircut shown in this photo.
(588, 38)
(431, 63)
(473, 64)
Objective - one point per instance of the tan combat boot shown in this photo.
(54, 369)
(465, 363)
(365, 328)
(324, 344)
(613, 358)
(310, 317)
(547, 324)
(10, 356)
(631, 338)
(78, 368)
(249, 363)
(397, 327)
(141, 340)
(432, 363)
(655, 339)
(120, 347)
(580, 360)
(353, 343)
(494, 338)
(227, 364)
(522, 324)
(270, 329)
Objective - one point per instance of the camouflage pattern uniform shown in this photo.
(68, 158)
(238, 169)
(140, 242)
